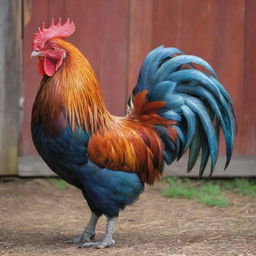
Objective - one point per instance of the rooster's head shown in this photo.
(46, 47)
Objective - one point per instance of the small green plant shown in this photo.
(58, 183)
(211, 194)
(179, 188)
(204, 192)
(208, 192)
(243, 186)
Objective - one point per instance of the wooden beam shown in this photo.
(239, 167)
(10, 67)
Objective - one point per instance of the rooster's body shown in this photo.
(173, 107)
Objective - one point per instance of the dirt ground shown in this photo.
(37, 219)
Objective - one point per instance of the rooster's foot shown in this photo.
(99, 245)
(89, 232)
(84, 237)
(107, 240)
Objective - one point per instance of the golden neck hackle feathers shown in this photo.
(77, 88)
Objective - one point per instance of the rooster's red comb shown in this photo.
(44, 34)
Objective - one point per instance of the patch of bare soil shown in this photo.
(37, 219)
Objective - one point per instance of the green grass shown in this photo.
(208, 192)
(211, 194)
(242, 186)
(179, 188)
(58, 183)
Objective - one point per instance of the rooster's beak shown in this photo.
(35, 54)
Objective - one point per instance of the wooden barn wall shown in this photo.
(115, 36)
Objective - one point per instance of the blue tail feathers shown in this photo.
(195, 99)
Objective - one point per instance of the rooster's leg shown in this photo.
(89, 231)
(107, 240)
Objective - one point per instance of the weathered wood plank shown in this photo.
(10, 74)
(247, 127)
(140, 38)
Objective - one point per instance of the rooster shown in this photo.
(177, 105)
